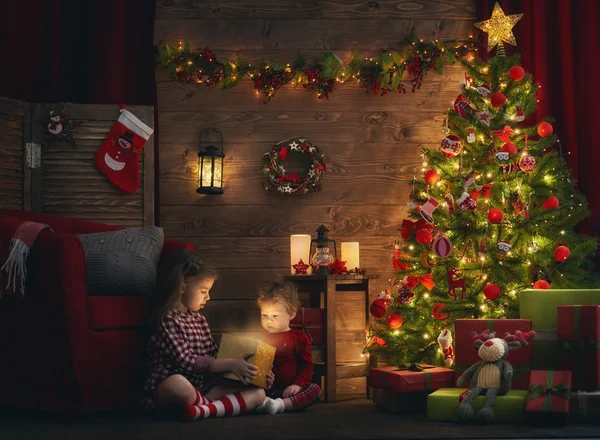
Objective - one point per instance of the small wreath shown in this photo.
(275, 176)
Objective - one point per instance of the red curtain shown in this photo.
(558, 43)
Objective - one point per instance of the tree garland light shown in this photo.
(378, 75)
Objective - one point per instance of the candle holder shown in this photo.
(322, 258)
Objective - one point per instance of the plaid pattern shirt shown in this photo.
(174, 348)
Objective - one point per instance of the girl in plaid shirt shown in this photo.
(182, 351)
(293, 366)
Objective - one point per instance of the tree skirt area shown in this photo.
(353, 419)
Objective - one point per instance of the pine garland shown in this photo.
(387, 73)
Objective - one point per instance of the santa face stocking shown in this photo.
(118, 156)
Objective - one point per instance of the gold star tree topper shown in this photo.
(499, 27)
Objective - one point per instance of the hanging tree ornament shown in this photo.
(425, 262)
(442, 246)
(461, 105)
(445, 341)
(427, 209)
(519, 114)
(455, 281)
(485, 117)
(527, 162)
(470, 135)
(398, 257)
(504, 248)
(449, 199)
(484, 90)
(451, 146)
(499, 27)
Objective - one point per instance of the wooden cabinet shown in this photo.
(345, 299)
(63, 179)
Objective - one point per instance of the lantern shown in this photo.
(322, 258)
(210, 167)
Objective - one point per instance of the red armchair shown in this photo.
(63, 350)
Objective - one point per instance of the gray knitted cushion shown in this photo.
(121, 263)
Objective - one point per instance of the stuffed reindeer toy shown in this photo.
(492, 375)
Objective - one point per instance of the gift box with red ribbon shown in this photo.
(579, 344)
(548, 397)
(466, 354)
(311, 320)
(405, 388)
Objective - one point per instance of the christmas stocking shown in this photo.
(118, 156)
(427, 209)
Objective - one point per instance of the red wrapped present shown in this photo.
(466, 355)
(408, 378)
(548, 396)
(579, 335)
(311, 321)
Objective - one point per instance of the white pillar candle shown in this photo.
(299, 250)
(351, 254)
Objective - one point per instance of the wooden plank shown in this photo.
(254, 221)
(325, 127)
(437, 93)
(329, 9)
(27, 204)
(283, 33)
(331, 341)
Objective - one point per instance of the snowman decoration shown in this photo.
(55, 126)
(504, 248)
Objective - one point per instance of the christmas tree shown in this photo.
(494, 213)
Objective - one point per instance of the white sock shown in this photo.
(262, 408)
(274, 406)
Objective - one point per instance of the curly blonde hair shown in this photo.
(280, 291)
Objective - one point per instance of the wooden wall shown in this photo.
(372, 142)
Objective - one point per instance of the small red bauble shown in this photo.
(495, 215)
(379, 308)
(497, 100)
(509, 148)
(491, 291)
(486, 191)
(432, 177)
(394, 321)
(551, 202)
(545, 129)
(541, 284)
(561, 253)
(424, 236)
(516, 73)
(527, 163)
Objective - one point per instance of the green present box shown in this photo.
(443, 403)
(540, 306)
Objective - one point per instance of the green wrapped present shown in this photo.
(443, 403)
(540, 306)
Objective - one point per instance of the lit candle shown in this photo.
(350, 254)
(299, 250)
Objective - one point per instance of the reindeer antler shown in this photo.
(519, 336)
(484, 335)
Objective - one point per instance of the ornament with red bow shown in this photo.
(408, 226)
(505, 134)
(412, 281)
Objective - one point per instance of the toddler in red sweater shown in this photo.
(293, 366)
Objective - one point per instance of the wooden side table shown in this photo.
(322, 293)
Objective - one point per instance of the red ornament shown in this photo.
(551, 202)
(491, 291)
(545, 129)
(338, 267)
(451, 146)
(497, 100)
(379, 308)
(516, 73)
(541, 284)
(432, 177)
(424, 236)
(437, 312)
(486, 191)
(394, 321)
(527, 163)
(442, 246)
(376, 340)
(561, 253)
(509, 148)
(300, 268)
(495, 215)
